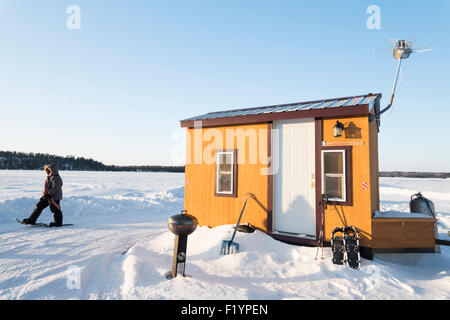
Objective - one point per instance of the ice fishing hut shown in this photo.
(288, 156)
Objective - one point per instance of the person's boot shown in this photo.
(34, 216)
(57, 219)
(28, 221)
(54, 224)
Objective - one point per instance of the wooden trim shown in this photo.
(406, 219)
(266, 117)
(318, 173)
(235, 177)
(294, 240)
(269, 179)
(404, 250)
(348, 175)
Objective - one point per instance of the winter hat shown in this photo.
(52, 167)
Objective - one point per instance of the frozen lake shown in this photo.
(120, 247)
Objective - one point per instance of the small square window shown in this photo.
(334, 178)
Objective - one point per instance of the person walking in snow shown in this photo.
(51, 196)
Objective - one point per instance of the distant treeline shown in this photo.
(440, 175)
(35, 161)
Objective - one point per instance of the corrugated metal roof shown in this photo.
(369, 99)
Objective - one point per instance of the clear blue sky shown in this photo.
(116, 89)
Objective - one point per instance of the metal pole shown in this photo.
(179, 256)
(394, 86)
(320, 242)
(240, 216)
(321, 233)
(391, 101)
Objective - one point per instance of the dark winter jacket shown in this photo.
(53, 184)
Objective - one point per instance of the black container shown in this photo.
(420, 204)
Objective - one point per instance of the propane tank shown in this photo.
(420, 204)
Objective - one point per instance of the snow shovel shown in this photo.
(228, 246)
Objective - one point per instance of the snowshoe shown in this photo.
(351, 242)
(338, 246)
(27, 221)
(55, 224)
(40, 224)
(31, 223)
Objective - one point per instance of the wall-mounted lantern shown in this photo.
(338, 128)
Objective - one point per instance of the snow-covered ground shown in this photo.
(120, 248)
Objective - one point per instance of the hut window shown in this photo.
(334, 178)
(226, 173)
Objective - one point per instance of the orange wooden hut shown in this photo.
(288, 156)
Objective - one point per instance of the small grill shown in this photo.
(181, 225)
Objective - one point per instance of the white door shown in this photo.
(294, 182)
